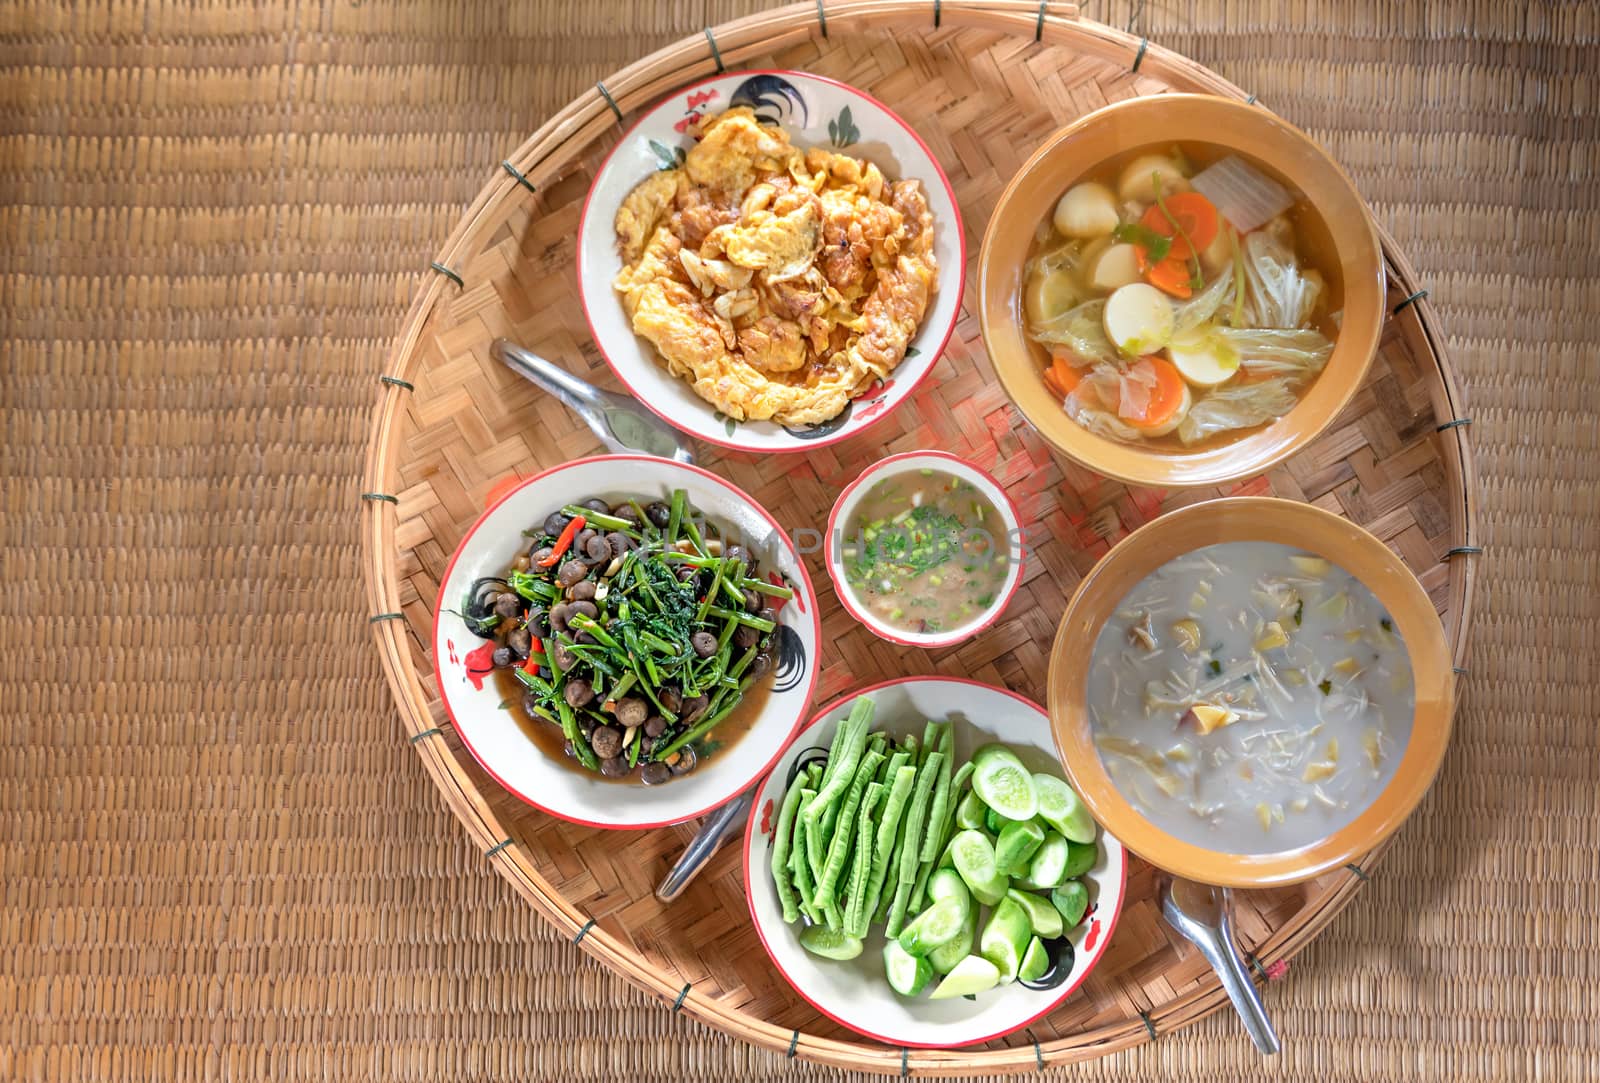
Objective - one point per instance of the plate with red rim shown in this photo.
(495, 736)
(855, 993)
(815, 112)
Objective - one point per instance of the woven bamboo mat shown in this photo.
(220, 861)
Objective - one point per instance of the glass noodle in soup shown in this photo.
(1250, 698)
(1180, 296)
(925, 551)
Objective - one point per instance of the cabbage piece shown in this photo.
(1277, 292)
(1062, 257)
(1203, 306)
(1108, 391)
(1081, 330)
(1238, 406)
(1086, 405)
(1101, 386)
(1265, 351)
(1133, 389)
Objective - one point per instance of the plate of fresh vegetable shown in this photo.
(920, 872)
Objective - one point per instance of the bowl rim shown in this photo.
(1288, 522)
(959, 284)
(671, 464)
(752, 826)
(1224, 464)
(1006, 507)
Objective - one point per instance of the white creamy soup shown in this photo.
(1250, 698)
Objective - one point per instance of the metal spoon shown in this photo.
(1203, 914)
(620, 421)
(717, 828)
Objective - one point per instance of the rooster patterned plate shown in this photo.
(816, 112)
(492, 728)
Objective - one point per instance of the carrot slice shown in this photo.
(1067, 376)
(1196, 222)
(1061, 377)
(1165, 397)
(1170, 276)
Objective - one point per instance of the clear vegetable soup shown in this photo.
(925, 552)
(1181, 296)
(1250, 698)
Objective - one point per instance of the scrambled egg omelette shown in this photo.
(778, 282)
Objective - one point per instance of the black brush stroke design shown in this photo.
(774, 99)
(476, 612)
(790, 652)
(821, 428)
(1060, 953)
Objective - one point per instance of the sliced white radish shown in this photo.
(1087, 210)
(1138, 319)
(1175, 420)
(1203, 360)
(1048, 295)
(1117, 266)
(1138, 180)
(1242, 193)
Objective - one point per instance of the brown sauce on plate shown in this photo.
(547, 735)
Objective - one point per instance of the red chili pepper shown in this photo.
(535, 657)
(564, 542)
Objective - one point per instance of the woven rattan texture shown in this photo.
(221, 858)
(1393, 461)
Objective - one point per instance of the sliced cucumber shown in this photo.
(946, 883)
(999, 778)
(1081, 857)
(1062, 808)
(945, 957)
(974, 974)
(970, 812)
(973, 857)
(1034, 962)
(1049, 863)
(1071, 899)
(1006, 937)
(1046, 922)
(823, 941)
(938, 924)
(993, 822)
(908, 974)
(1016, 845)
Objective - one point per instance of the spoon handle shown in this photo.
(714, 831)
(579, 395)
(1216, 945)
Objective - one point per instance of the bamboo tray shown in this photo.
(983, 83)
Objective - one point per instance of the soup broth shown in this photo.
(1250, 698)
(925, 551)
(1181, 296)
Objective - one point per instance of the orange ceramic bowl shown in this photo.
(1251, 519)
(1339, 224)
